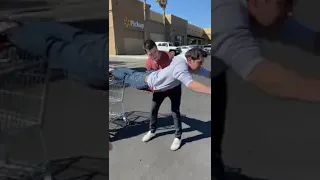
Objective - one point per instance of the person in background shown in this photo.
(159, 60)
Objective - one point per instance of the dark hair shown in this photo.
(149, 44)
(195, 53)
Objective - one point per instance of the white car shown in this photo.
(207, 48)
(186, 48)
(168, 47)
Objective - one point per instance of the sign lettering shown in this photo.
(132, 23)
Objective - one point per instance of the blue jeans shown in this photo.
(131, 77)
(81, 54)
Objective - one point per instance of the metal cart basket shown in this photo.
(23, 91)
(116, 94)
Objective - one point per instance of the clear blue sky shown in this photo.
(196, 12)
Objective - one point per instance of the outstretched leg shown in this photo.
(82, 54)
(132, 77)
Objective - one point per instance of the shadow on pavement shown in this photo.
(80, 167)
(239, 176)
(139, 124)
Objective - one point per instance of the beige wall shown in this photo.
(154, 16)
(194, 30)
(207, 31)
(155, 23)
(177, 24)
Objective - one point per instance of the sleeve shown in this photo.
(232, 41)
(181, 73)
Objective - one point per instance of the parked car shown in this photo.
(207, 48)
(201, 46)
(186, 48)
(168, 47)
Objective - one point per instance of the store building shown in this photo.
(128, 30)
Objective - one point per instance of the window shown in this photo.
(170, 44)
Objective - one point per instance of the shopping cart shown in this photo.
(116, 94)
(23, 91)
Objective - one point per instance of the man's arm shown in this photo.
(148, 65)
(234, 44)
(242, 53)
(199, 87)
(182, 74)
(278, 81)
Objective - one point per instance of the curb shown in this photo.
(129, 65)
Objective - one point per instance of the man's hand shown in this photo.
(110, 146)
(171, 54)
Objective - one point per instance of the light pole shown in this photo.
(145, 19)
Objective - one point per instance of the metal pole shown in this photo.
(145, 19)
(164, 23)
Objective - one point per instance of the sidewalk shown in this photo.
(130, 61)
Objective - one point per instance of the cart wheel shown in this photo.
(125, 120)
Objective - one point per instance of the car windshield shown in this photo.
(170, 44)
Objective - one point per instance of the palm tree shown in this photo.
(163, 5)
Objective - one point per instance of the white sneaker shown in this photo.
(148, 136)
(176, 144)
